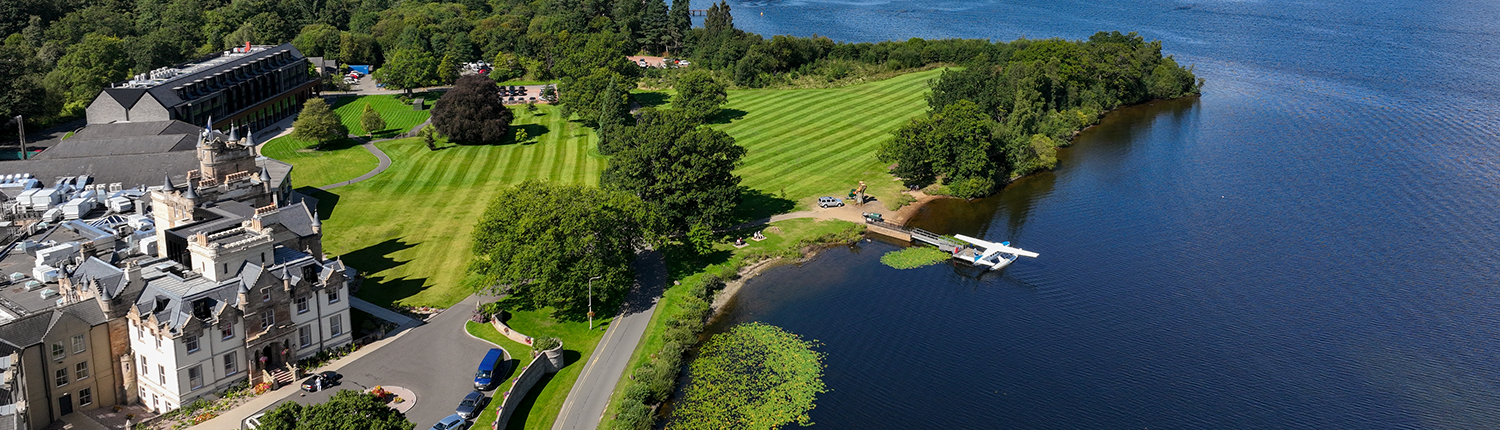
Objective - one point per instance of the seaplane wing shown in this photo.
(992, 247)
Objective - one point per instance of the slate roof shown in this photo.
(134, 153)
(131, 170)
(111, 279)
(168, 97)
(88, 311)
(27, 331)
(170, 296)
(130, 129)
(120, 146)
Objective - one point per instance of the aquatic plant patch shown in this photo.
(914, 257)
(756, 377)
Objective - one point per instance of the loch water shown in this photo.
(1311, 244)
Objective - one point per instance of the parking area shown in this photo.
(436, 361)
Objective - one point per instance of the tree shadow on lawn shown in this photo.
(523, 409)
(756, 204)
(533, 132)
(387, 133)
(651, 99)
(602, 308)
(682, 261)
(373, 259)
(726, 115)
(326, 201)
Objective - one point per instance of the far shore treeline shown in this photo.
(58, 54)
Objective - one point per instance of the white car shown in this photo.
(829, 202)
(253, 422)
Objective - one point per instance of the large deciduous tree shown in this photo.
(599, 98)
(699, 95)
(371, 120)
(406, 69)
(956, 144)
(543, 242)
(472, 113)
(87, 68)
(318, 124)
(347, 410)
(684, 170)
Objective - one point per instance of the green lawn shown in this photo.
(685, 267)
(336, 162)
(399, 117)
(810, 143)
(408, 228)
(542, 404)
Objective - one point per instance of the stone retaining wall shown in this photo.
(542, 364)
(512, 334)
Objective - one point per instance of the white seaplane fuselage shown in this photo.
(993, 255)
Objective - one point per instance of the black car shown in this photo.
(328, 379)
(472, 405)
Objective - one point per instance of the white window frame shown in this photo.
(302, 306)
(191, 343)
(268, 319)
(85, 397)
(161, 374)
(333, 296)
(335, 325)
(195, 382)
(80, 344)
(81, 371)
(230, 365)
(265, 294)
(61, 377)
(59, 352)
(304, 336)
(226, 330)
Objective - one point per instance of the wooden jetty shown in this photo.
(915, 235)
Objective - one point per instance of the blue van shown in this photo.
(484, 379)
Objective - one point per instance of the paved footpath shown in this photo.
(590, 395)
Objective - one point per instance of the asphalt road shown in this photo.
(436, 361)
(590, 395)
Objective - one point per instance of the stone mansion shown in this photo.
(213, 281)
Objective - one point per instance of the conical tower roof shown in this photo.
(190, 194)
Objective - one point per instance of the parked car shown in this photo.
(484, 379)
(253, 422)
(472, 405)
(452, 422)
(828, 202)
(328, 379)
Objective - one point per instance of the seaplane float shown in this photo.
(984, 253)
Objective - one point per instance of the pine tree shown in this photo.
(681, 20)
(655, 26)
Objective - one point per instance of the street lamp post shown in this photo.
(591, 301)
(21, 127)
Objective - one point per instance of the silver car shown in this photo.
(451, 422)
(829, 202)
(472, 405)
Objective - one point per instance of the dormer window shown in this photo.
(227, 330)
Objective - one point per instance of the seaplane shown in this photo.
(988, 254)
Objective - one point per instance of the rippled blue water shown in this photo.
(1311, 244)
